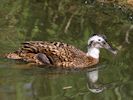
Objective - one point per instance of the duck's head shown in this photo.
(98, 41)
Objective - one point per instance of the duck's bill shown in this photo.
(110, 48)
(114, 51)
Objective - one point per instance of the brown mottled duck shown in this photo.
(61, 54)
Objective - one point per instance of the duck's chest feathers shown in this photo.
(93, 52)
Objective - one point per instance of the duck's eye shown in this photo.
(99, 39)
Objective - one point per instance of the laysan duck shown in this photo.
(61, 54)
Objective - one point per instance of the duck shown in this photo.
(63, 55)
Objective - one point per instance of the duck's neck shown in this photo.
(93, 52)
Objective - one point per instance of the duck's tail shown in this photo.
(11, 56)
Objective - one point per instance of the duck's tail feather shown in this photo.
(11, 56)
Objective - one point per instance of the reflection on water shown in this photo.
(96, 87)
(71, 22)
(44, 83)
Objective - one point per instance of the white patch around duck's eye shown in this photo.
(96, 38)
(99, 40)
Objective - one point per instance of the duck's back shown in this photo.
(58, 53)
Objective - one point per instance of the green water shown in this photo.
(70, 22)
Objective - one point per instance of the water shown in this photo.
(70, 22)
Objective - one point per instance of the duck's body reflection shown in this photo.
(94, 85)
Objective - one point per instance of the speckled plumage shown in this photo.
(59, 54)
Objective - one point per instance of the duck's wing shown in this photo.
(55, 51)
